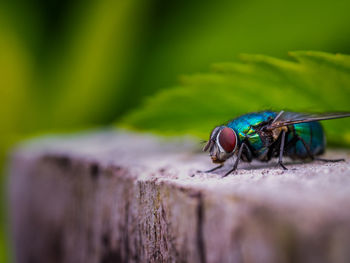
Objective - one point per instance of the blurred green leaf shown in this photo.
(82, 79)
(187, 36)
(312, 82)
(14, 62)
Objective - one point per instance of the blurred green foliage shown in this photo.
(67, 65)
(315, 81)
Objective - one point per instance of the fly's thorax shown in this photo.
(276, 132)
(222, 143)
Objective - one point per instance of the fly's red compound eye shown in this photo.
(227, 139)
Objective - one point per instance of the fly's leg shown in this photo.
(318, 159)
(329, 160)
(307, 148)
(281, 151)
(212, 169)
(237, 160)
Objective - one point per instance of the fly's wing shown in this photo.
(288, 118)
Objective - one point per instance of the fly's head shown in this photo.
(222, 144)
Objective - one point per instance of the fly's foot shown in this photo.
(329, 160)
(282, 165)
(207, 171)
(211, 170)
(232, 171)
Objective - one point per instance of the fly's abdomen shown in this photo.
(312, 134)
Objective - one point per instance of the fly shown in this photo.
(267, 134)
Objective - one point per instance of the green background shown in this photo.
(71, 65)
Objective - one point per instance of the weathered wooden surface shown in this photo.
(117, 197)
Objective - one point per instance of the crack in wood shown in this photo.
(200, 222)
(126, 231)
(94, 170)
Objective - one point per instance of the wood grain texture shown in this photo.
(122, 197)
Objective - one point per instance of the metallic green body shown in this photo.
(247, 129)
(313, 135)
